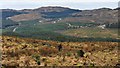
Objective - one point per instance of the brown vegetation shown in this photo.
(32, 52)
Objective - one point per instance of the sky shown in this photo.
(74, 4)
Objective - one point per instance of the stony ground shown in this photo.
(33, 52)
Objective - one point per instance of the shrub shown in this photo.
(80, 53)
(38, 62)
(37, 58)
(44, 59)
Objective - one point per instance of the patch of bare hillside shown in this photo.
(33, 52)
(25, 17)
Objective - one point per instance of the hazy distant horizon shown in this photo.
(19, 5)
(59, 6)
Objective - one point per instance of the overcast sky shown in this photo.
(75, 4)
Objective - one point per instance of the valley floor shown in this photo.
(33, 52)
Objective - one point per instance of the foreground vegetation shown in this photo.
(33, 52)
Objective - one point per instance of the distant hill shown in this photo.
(102, 15)
(10, 12)
(51, 22)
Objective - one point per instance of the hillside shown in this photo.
(95, 32)
(33, 52)
(25, 17)
(101, 15)
(10, 12)
(54, 19)
(53, 9)
(61, 31)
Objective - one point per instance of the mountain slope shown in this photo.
(25, 17)
(45, 12)
(100, 16)
(10, 12)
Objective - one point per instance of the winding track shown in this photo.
(16, 27)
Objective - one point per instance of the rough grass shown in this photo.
(20, 52)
